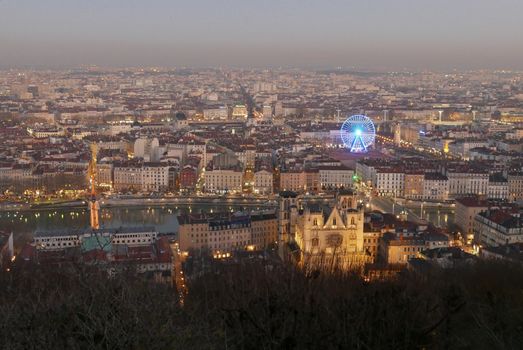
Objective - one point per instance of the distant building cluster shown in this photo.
(113, 250)
(453, 140)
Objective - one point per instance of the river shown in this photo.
(440, 216)
(25, 223)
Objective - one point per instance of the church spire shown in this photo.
(93, 205)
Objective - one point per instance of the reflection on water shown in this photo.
(442, 217)
(24, 223)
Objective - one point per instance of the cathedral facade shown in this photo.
(328, 234)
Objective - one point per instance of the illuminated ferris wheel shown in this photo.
(358, 133)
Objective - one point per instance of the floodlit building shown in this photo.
(239, 111)
(327, 235)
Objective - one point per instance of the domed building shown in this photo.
(180, 121)
(136, 125)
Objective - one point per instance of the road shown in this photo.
(177, 273)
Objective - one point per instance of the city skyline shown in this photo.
(292, 174)
(308, 34)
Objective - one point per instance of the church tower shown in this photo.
(92, 203)
(94, 207)
(287, 216)
(346, 199)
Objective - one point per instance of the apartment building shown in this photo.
(515, 186)
(311, 179)
(467, 182)
(263, 182)
(147, 177)
(435, 187)
(466, 210)
(399, 247)
(332, 177)
(59, 240)
(292, 181)
(227, 232)
(498, 187)
(497, 227)
(223, 180)
(389, 182)
(414, 185)
(104, 174)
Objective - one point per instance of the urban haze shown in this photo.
(379, 34)
(261, 174)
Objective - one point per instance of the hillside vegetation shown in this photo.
(251, 306)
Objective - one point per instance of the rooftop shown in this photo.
(73, 232)
(474, 202)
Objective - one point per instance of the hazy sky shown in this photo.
(390, 34)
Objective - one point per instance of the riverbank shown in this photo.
(410, 203)
(141, 201)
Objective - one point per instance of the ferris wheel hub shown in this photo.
(358, 133)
